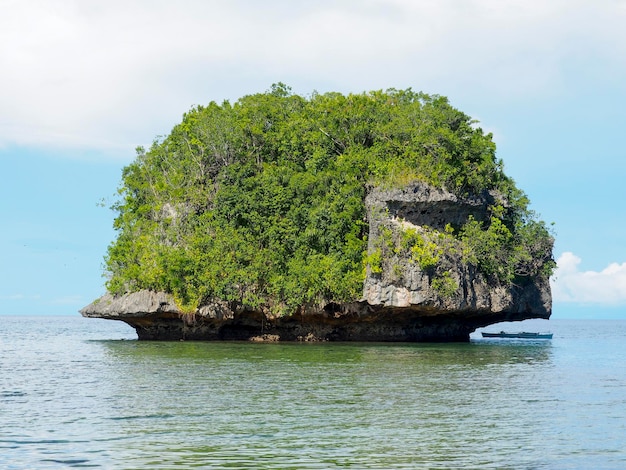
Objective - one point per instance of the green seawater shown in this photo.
(79, 393)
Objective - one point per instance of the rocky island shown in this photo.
(382, 216)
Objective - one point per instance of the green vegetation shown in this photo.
(444, 285)
(262, 201)
(425, 252)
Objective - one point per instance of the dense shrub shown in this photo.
(262, 201)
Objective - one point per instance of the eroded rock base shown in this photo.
(249, 328)
(155, 316)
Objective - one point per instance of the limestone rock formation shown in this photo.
(403, 284)
(401, 301)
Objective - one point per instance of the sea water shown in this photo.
(83, 393)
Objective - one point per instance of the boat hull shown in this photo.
(522, 335)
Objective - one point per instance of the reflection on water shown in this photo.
(476, 354)
(369, 405)
(67, 401)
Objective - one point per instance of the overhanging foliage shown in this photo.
(262, 201)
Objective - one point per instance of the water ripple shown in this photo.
(77, 400)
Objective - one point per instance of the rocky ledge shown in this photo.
(154, 316)
(400, 301)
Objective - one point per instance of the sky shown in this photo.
(83, 83)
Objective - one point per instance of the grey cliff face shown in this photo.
(401, 301)
(135, 305)
(403, 284)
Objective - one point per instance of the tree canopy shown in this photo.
(262, 201)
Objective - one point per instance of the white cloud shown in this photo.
(12, 297)
(112, 75)
(19, 296)
(68, 300)
(569, 284)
